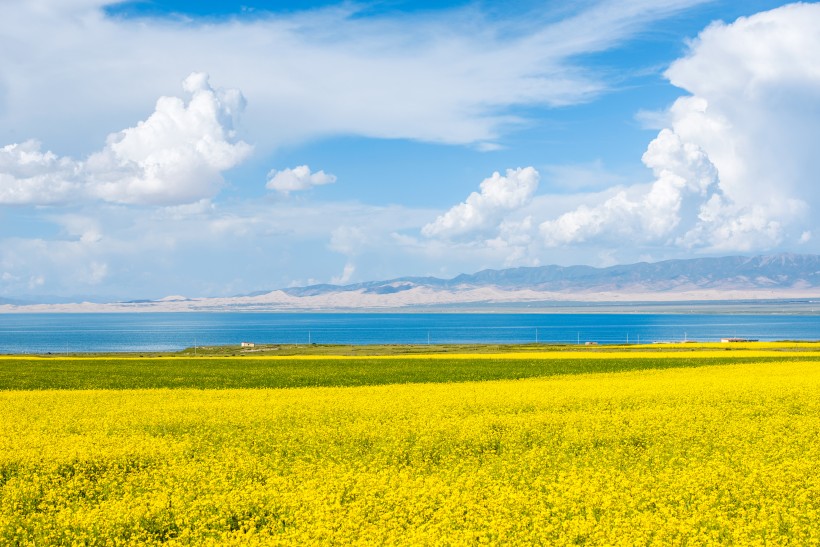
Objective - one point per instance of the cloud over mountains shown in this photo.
(734, 168)
(399, 107)
(486, 208)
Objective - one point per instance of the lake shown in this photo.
(124, 332)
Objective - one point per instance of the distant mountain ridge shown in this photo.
(772, 278)
(781, 271)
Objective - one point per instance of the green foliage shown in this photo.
(244, 372)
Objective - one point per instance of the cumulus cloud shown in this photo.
(491, 224)
(296, 179)
(683, 174)
(515, 242)
(29, 175)
(483, 210)
(755, 108)
(733, 170)
(176, 156)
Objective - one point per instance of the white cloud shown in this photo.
(484, 210)
(734, 169)
(33, 264)
(755, 109)
(449, 76)
(298, 178)
(347, 274)
(176, 156)
(490, 225)
(515, 242)
(197, 208)
(84, 228)
(683, 174)
(208, 249)
(730, 171)
(28, 175)
(348, 240)
(724, 226)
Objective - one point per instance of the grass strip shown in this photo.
(28, 373)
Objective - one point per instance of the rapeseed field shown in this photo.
(717, 454)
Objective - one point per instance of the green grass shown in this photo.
(372, 349)
(239, 372)
(420, 349)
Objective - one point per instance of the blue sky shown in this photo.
(208, 149)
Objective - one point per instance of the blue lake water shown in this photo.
(58, 333)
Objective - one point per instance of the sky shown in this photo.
(180, 147)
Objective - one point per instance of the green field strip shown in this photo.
(29, 373)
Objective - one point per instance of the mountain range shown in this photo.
(701, 279)
(782, 271)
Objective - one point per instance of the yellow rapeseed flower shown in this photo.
(712, 455)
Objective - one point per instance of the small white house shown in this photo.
(247, 344)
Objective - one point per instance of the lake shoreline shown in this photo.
(754, 306)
